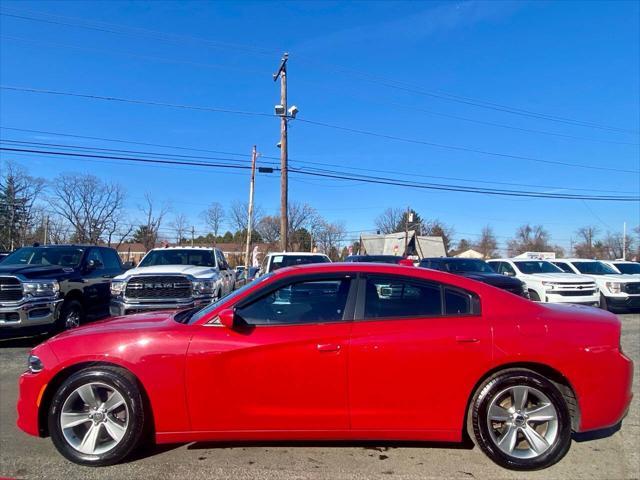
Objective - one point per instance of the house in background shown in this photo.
(471, 253)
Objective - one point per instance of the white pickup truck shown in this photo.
(172, 278)
(617, 292)
(547, 283)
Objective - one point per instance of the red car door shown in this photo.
(417, 349)
(283, 369)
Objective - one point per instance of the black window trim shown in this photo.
(349, 308)
(476, 303)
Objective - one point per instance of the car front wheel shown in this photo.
(96, 417)
(521, 420)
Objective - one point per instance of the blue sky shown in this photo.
(575, 60)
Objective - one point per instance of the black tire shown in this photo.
(69, 312)
(485, 434)
(120, 381)
(533, 295)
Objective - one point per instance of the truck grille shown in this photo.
(10, 289)
(633, 288)
(575, 289)
(158, 287)
(578, 293)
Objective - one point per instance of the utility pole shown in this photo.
(624, 241)
(254, 156)
(284, 179)
(193, 234)
(46, 229)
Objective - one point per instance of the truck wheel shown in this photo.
(533, 295)
(71, 315)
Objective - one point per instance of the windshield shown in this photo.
(60, 256)
(594, 268)
(198, 314)
(281, 261)
(537, 266)
(467, 266)
(199, 258)
(628, 268)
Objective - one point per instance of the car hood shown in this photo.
(611, 278)
(559, 277)
(495, 279)
(192, 270)
(148, 321)
(35, 271)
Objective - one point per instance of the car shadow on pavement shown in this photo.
(366, 444)
(596, 434)
(22, 342)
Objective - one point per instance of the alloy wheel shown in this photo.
(523, 422)
(94, 418)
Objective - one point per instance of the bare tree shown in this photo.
(213, 217)
(487, 244)
(180, 225)
(153, 216)
(239, 218)
(19, 193)
(532, 238)
(329, 237)
(269, 229)
(388, 220)
(436, 228)
(585, 248)
(88, 204)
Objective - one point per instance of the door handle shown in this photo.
(462, 339)
(328, 347)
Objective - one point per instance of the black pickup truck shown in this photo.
(54, 287)
(476, 269)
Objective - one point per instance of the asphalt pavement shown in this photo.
(23, 456)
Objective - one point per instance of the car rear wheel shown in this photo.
(96, 416)
(521, 420)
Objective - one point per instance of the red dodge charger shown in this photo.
(335, 351)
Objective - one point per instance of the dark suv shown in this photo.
(55, 287)
(476, 269)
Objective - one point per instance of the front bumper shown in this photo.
(119, 306)
(626, 301)
(592, 300)
(29, 313)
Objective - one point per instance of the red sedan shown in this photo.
(335, 351)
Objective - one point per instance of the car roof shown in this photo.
(299, 254)
(453, 259)
(574, 260)
(184, 248)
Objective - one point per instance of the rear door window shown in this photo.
(398, 297)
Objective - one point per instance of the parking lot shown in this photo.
(22, 456)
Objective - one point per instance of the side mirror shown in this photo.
(406, 262)
(227, 317)
(93, 264)
(509, 274)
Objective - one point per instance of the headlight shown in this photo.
(614, 287)
(34, 364)
(203, 287)
(549, 285)
(117, 287)
(48, 288)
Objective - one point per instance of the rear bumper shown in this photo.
(605, 396)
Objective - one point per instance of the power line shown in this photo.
(403, 86)
(459, 148)
(327, 125)
(135, 101)
(391, 83)
(146, 153)
(361, 178)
